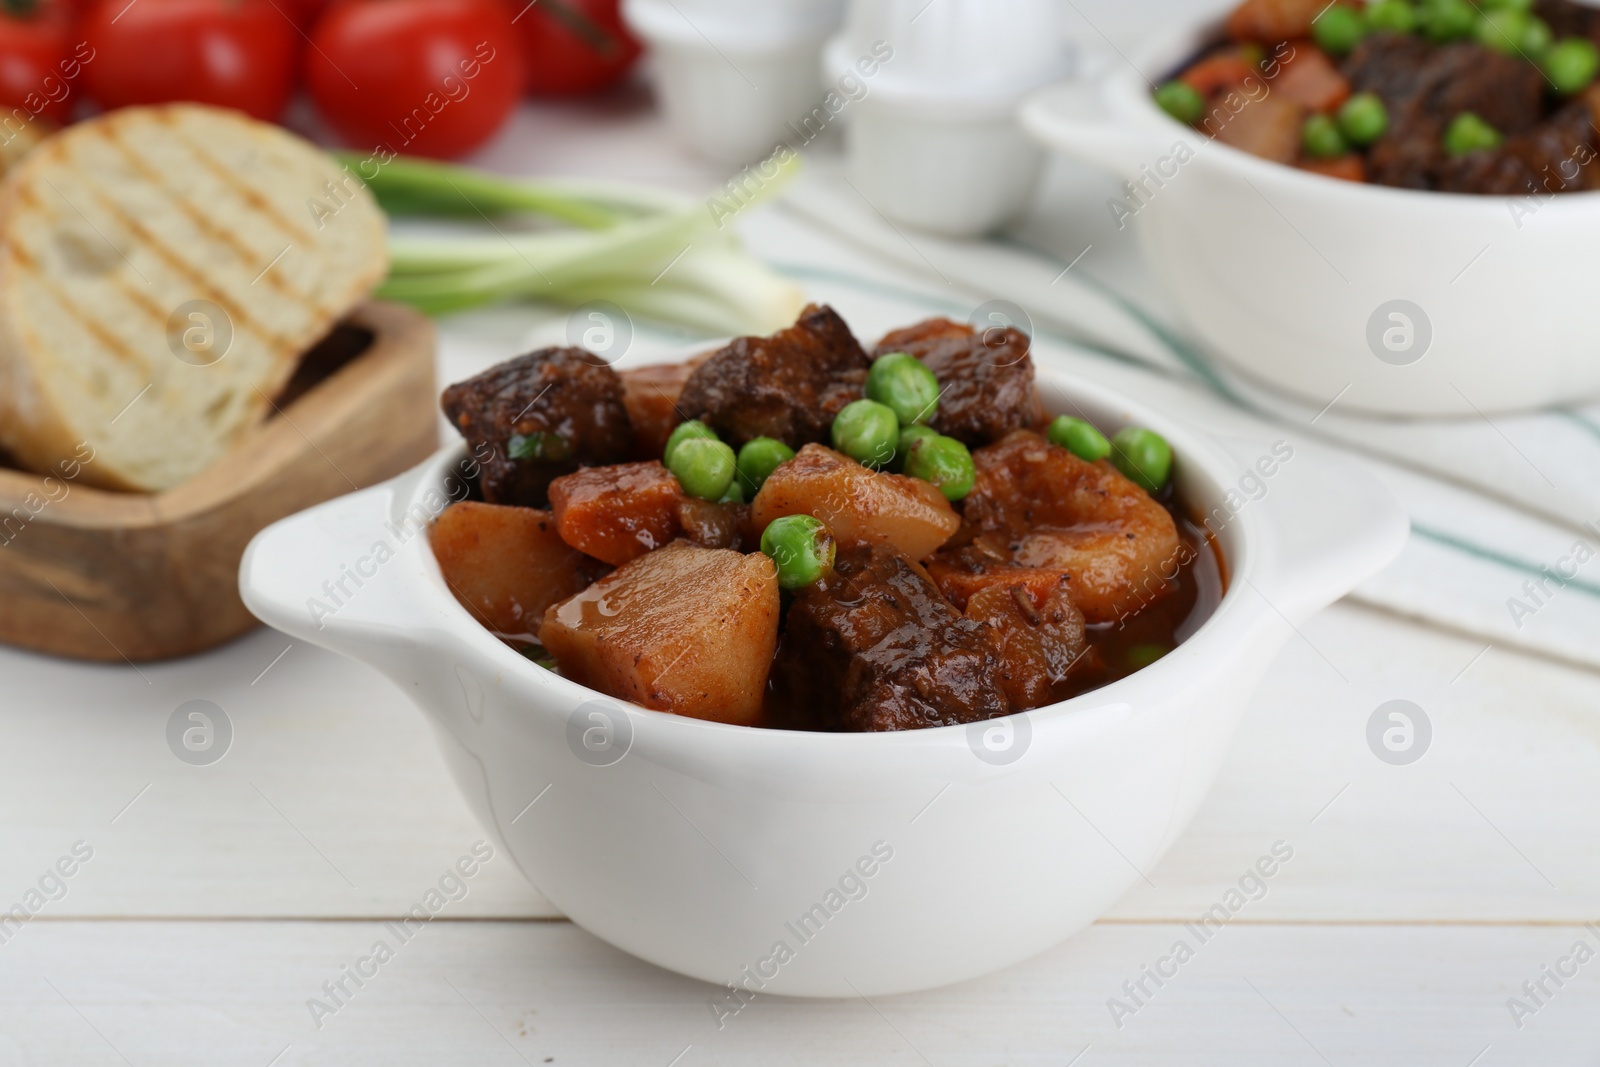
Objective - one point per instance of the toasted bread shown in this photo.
(162, 269)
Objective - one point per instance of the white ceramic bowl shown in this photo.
(734, 76)
(704, 845)
(1293, 278)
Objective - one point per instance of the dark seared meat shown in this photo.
(1556, 156)
(650, 394)
(788, 386)
(1037, 640)
(1425, 86)
(559, 408)
(712, 525)
(1567, 19)
(985, 380)
(873, 646)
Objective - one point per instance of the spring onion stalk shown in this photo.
(654, 254)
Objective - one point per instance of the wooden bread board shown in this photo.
(119, 577)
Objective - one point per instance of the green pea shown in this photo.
(1570, 64)
(943, 461)
(1503, 5)
(1079, 437)
(867, 432)
(1142, 655)
(550, 446)
(1447, 20)
(682, 432)
(1536, 38)
(703, 467)
(802, 548)
(901, 383)
(734, 495)
(1321, 139)
(1468, 133)
(1503, 30)
(1143, 456)
(1363, 119)
(1182, 101)
(1339, 29)
(1395, 16)
(908, 437)
(759, 457)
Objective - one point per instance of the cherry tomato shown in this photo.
(37, 63)
(418, 77)
(304, 12)
(573, 46)
(231, 53)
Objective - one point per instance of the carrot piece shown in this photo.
(1269, 21)
(1350, 168)
(1222, 70)
(617, 513)
(1309, 77)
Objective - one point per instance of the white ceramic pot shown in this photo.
(960, 173)
(921, 858)
(935, 142)
(1296, 279)
(732, 77)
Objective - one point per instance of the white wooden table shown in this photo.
(219, 899)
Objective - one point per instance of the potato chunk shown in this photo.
(617, 513)
(686, 629)
(858, 504)
(508, 565)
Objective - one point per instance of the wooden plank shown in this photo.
(334, 775)
(536, 993)
(121, 577)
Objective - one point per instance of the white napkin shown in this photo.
(1506, 512)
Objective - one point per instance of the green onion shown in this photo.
(655, 254)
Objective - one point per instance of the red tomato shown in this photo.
(37, 63)
(304, 12)
(417, 77)
(231, 53)
(573, 46)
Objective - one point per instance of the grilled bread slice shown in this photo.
(162, 269)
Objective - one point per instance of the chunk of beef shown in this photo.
(1037, 639)
(873, 646)
(985, 379)
(541, 415)
(788, 386)
(650, 393)
(1425, 86)
(1567, 19)
(712, 525)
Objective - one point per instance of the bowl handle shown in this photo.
(1061, 118)
(335, 575)
(1328, 522)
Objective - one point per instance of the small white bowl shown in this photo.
(732, 76)
(1297, 279)
(933, 855)
(934, 143)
